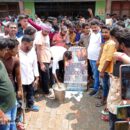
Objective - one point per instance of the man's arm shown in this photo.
(122, 57)
(97, 62)
(54, 72)
(110, 49)
(18, 79)
(36, 71)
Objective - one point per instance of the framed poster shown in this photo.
(76, 68)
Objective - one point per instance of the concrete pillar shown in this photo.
(21, 6)
(108, 6)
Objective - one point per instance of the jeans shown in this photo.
(112, 120)
(11, 114)
(105, 84)
(29, 89)
(45, 78)
(95, 74)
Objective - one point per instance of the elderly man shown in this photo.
(42, 43)
(12, 31)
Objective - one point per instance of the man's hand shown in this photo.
(35, 84)
(3, 118)
(125, 102)
(102, 74)
(97, 63)
(43, 67)
(20, 94)
(90, 12)
(58, 83)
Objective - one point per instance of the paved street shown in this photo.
(77, 113)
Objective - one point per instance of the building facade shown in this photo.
(64, 7)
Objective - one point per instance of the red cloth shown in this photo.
(34, 25)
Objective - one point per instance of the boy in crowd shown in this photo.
(84, 41)
(85, 36)
(12, 65)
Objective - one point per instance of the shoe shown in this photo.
(34, 108)
(93, 92)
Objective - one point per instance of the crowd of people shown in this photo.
(33, 52)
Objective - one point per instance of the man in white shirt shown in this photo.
(57, 55)
(29, 70)
(93, 53)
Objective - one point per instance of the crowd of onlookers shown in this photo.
(33, 53)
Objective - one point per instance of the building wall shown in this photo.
(10, 8)
(121, 8)
(99, 8)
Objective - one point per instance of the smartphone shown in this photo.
(125, 81)
(123, 111)
(122, 125)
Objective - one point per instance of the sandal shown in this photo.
(20, 126)
(105, 118)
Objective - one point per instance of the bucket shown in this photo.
(59, 92)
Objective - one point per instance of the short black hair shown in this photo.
(3, 43)
(56, 27)
(95, 22)
(12, 42)
(27, 38)
(117, 32)
(84, 25)
(22, 16)
(29, 31)
(68, 55)
(106, 27)
(121, 23)
(125, 37)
